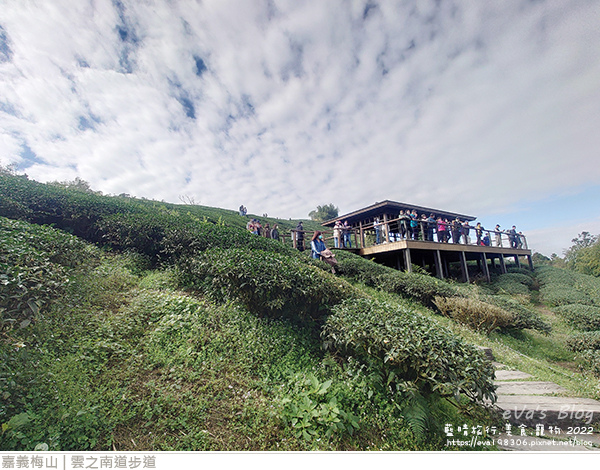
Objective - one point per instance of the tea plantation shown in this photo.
(130, 324)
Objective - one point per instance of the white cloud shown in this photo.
(472, 106)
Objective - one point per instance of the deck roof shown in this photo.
(379, 208)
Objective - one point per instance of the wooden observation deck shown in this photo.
(377, 232)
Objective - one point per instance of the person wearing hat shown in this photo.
(498, 236)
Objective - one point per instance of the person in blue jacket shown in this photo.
(317, 245)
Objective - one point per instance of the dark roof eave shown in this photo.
(396, 206)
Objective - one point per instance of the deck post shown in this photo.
(486, 271)
(362, 235)
(438, 264)
(386, 229)
(518, 261)
(294, 239)
(530, 261)
(502, 264)
(463, 266)
(407, 260)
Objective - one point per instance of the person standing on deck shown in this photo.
(479, 232)
(442, 230)
(346, 234)
(455, 229)
(377, 227)
(337, 234)
(430, 227)
(498, 233)
(466, 228)
(404, 224)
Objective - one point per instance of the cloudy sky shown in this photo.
(487, 108)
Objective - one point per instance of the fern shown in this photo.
(415, 412)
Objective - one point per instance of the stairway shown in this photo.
(554, 420)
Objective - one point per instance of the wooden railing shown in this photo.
(366, 235)
(428, 231)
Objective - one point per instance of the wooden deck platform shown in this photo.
(437, 257)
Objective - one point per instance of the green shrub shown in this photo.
(423, 289)
(582, 341)
(590, 360)
(523, 316)
(419, 287)
(33, 263)
(478, 315)
(581, 317)
(409, 350)
(563, 287)
(513, 284)
(266, 283)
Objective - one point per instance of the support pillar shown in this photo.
(463, 267)
(438, 264)
(502, 264)
(530, 261)
(518, 261)
(407, 260)
(486, 271)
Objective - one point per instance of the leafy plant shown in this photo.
(313, 412)
(406, 347)
(478, 315)
(581, 317)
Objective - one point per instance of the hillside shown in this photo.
(136, 325)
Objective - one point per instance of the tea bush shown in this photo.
(513, 284)
(33, 263)
(581, 317)
(419, 287)
(523, 315)
(267, 283)
(590, 360)
(409, 350)
(478, 315)
(589, 340)
(563, 287)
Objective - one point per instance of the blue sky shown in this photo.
(484, 108)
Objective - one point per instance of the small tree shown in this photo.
(582, 243)
(323, 213)
(77, 184)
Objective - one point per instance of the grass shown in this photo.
(107, 351)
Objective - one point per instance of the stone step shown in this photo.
(534, 410)
(528, 388)
(504, 374)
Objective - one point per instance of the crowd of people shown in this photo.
(255, 227)
(411, 226)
